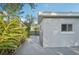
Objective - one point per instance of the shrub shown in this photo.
(12, 34)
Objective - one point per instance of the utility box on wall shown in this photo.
(59, 29)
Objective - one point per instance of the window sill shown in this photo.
(68, 32)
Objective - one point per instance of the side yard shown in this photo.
(33, 47)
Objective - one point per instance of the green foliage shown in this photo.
(12, 33)
(15, 8)
(12, 8)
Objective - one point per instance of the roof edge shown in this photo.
(58, 14)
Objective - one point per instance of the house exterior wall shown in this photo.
(52, 36)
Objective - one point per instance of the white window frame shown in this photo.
(70, 32)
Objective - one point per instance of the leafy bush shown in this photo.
(12, 34)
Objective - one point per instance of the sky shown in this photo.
(54, 7)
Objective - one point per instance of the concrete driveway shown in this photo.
(33, 47)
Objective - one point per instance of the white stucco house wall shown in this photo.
(59, 29)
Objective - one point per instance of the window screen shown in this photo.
(64, 27)
(69, 27)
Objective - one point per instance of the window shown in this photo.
(66, 27)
